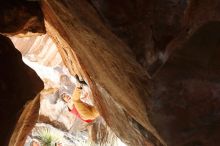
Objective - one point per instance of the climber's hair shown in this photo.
(62, 96)
(65, 80)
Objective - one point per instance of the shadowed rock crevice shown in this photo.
(153, 66)
(18, 84)
(105, 62)
(146, 26)
(186, 91)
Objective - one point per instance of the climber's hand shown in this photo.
(80, 81)
(79, 85)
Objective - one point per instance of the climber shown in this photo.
(81, 109)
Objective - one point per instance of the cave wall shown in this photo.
(21, 17)
(153, 66)
(26, 122)
(39, 49)
(146, 26)
(107, 65)
(18, 84)
(185, 93)
(184, 100)
(177, 83)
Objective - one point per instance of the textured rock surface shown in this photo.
(26, 122)
(21, 16)
(18, 84)
(184, 106)
(181, 99)
(108, 66)
(185, 99)
(177, 41)
(147, 26)
(40, 49)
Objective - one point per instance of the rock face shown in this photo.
(146, 26)
(21, 17)
(26, 122)
(185, 96)
(153, 66)
(18, 84)
(39, 49)
(161, 83)
(118, 82)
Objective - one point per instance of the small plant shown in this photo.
(46, 137)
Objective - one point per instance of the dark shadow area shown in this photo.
(18, 84)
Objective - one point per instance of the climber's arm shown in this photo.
(85, 110)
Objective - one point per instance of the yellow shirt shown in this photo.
(86, 111)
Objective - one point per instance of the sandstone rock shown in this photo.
(21, 17)
(107, 65)
(40, 49)
(181, 99)
(184, 106)
(147, 26)
(177, 44)
(26, 122)
(18, 84)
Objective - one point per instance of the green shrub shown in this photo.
(46, 137)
